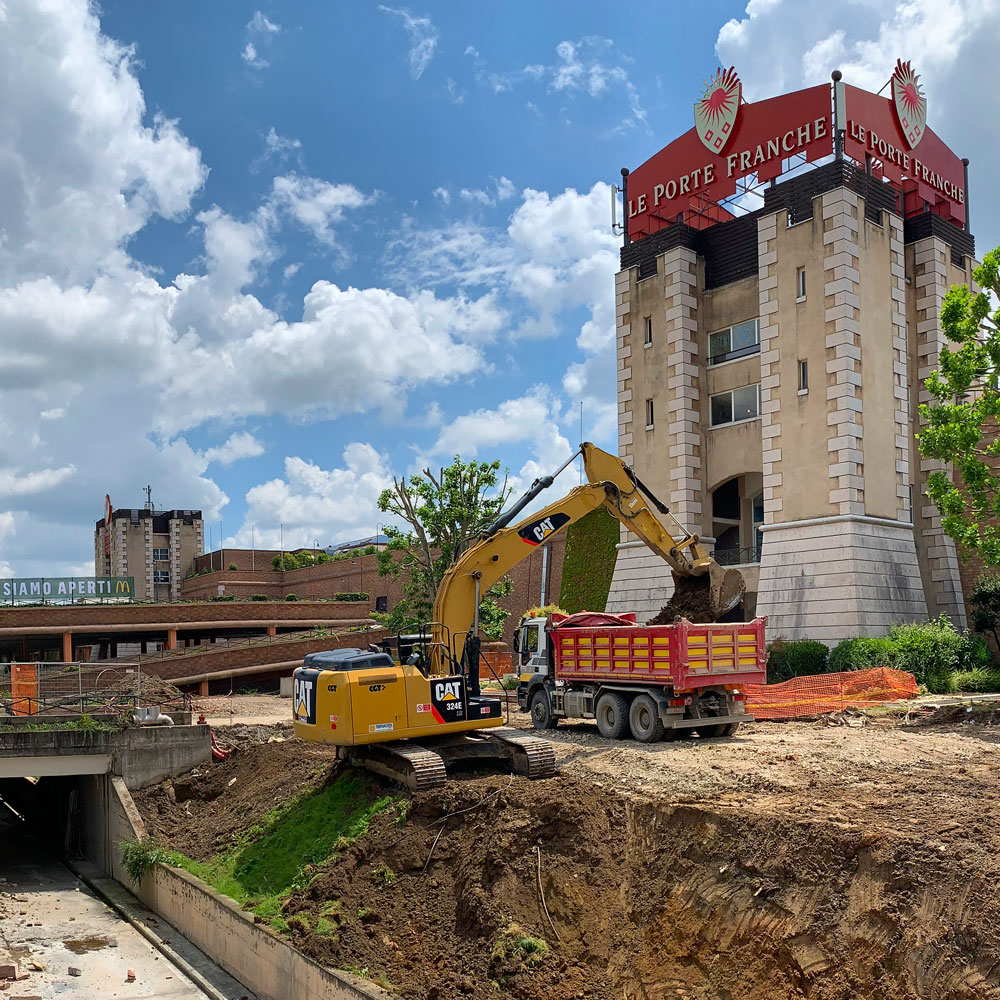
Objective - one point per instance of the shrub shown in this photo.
(930, 651)
(984, 600)
(350, 596)
(862, 653)
(975, 654)
(139, 856)
(796, 658)
(233, 566)
(276, 562)
(260, 597)
(509, 682)
(223, 597)
(290, 597)
(979, 680)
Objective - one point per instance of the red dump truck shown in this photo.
(650, 681)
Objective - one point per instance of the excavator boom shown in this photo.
(612, 485)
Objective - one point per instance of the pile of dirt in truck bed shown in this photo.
(692, 600)
(647, 900)
(199, 813)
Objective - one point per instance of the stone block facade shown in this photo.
(845, 302)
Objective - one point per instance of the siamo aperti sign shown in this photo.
(66, 588)
(732, 140)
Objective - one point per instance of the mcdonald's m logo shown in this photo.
(123, 587)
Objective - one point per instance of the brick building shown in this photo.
(157, 547)
(771, 363)
(254, 575)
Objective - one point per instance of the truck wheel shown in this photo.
(541, 711)
(612, 716)
(729, 730)
(644, 719)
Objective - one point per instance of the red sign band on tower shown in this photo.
(691, 178)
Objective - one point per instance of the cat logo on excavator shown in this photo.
(536, 532)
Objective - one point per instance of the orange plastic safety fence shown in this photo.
(822, 693)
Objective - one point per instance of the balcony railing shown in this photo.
(742, 352)
(737, 557)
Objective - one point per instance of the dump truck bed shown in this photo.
(684, 656)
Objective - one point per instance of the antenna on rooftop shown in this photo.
(148, 490)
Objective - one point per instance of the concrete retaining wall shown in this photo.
(106, 817)
(145, 756)
(264, 963)
(261, 961)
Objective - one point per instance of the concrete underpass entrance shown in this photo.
(50, 921)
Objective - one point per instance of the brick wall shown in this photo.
(220, 661)
(360, 575)
(63, 616)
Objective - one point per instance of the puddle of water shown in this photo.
(80, 946)
(18, 952)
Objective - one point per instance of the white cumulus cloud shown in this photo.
(310, 502)
(236, 446)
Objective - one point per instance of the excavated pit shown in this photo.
(766, 890)
(649, 902)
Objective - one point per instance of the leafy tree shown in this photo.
(444, 512)
(962, 426)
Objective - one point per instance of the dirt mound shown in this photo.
(692, 600)
(201, 812)
(649, 901)
(974, 714)
(152, 690)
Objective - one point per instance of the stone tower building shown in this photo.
(771, 364)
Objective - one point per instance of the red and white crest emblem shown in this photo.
(909, 101)
(715, 114)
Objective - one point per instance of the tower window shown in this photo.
(649, 331)
(803, 376)
(735, 406)
(800, 285)
(649, 414)
(738, 341)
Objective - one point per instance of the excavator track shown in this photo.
(412, 766)
(532, 757)
(424, 765)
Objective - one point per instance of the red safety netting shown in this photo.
(822, 693)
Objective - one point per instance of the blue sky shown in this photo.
(265, 257)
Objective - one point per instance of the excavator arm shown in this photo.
(613, 485)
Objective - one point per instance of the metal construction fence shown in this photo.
(46, 688)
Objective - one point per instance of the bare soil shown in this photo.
(819, 860)
(201, 812)
(692, 599)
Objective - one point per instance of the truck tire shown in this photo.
(612, 716)
(730, 730)
(644, 719)
(541, 710)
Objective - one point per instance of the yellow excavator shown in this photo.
(409, 720)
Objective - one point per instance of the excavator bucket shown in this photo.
(728, 588)
(703, 598)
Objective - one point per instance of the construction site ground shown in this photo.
(844, 857)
